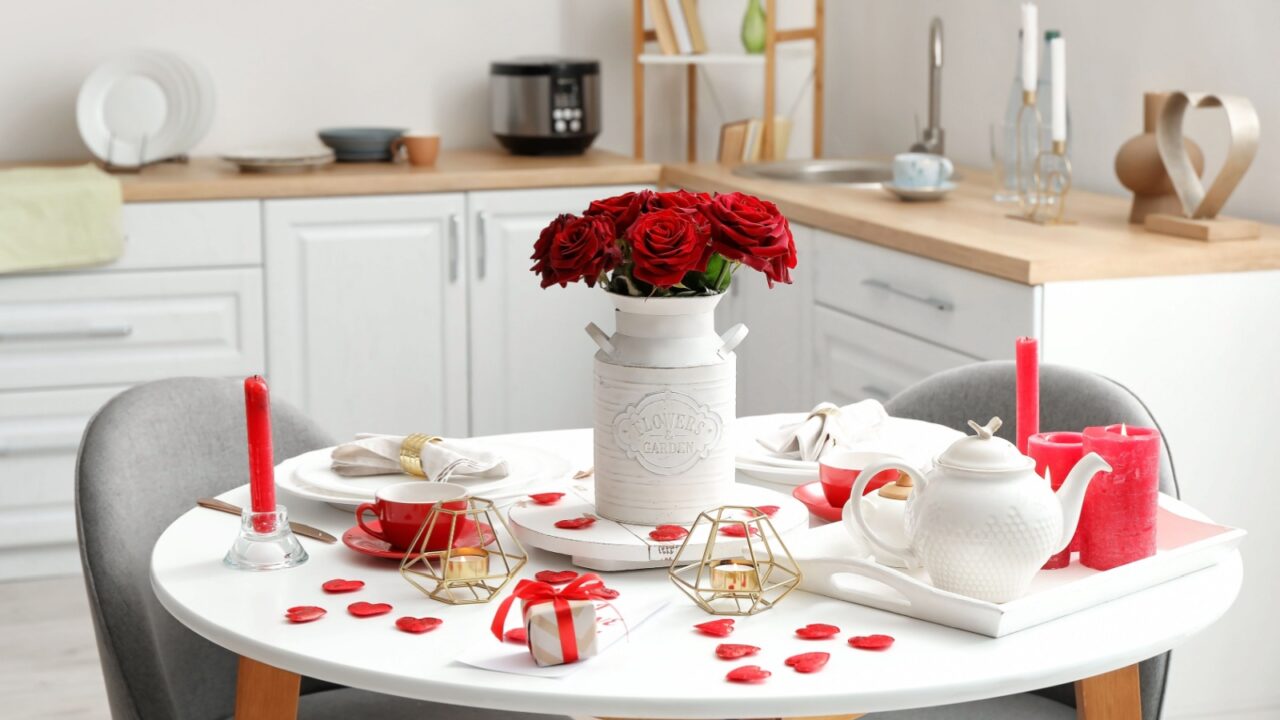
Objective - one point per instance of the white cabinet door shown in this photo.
(531, 360)
(366, 311)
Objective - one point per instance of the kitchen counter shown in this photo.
(968, 229)
(456, 170)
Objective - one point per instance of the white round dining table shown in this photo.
(664, 669)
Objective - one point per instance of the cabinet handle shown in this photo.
(92, 331)
(455, 231)
(876, 392)
(933, 302)
(482, 241)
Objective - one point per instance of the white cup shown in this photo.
(921, 171)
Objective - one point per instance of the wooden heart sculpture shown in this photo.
(1242, 123)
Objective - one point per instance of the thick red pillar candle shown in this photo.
(1120, 506)
(1028, 391)
(1056, 453)
(262, 481)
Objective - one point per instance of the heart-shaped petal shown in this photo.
(547, 498)
(367, 609)
(716, 628)
(304, 613)
(747, 674)
(871, 642)
(808, 662)
(734, 651)
(516, 635)
(555, 577)
(418, 625)
(738, 530)
(576, 523)
(607, 593)
(666, 533)
(767, 510)
(817, 631)
(342, 586)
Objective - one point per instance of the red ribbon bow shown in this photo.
(532, 592)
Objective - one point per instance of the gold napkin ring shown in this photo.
(411, 452)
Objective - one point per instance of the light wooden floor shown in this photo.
(49, 662)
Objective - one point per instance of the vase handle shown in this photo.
(601, 339)
(732, 338)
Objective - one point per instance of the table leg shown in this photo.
(1113, 695)
(264, 692)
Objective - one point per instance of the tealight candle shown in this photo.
(467, 564)
(737, 575)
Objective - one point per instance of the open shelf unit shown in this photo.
(768, 60)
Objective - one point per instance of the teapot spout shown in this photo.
(1071, 494)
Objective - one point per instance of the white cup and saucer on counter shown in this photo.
(920, 176)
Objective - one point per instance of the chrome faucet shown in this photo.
(932, 140)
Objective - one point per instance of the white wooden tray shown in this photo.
(839, 565)
(608, 545)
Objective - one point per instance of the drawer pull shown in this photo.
(933, 302)
(455, 232)
(93, 331)
(482, 242)
(878, 393)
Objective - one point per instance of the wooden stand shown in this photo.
(1209, 229)
(640, 36)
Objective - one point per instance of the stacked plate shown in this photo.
(311, 476)
(144, 106)
(279, 161)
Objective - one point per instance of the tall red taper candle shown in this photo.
(262, 481)
(1056, 453)
(1120, 506)
(1028, 390)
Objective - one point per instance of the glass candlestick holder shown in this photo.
(265, 542)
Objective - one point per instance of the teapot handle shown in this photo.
(853, 511)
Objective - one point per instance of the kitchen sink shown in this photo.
(852, 173)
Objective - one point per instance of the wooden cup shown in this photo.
(422, 148)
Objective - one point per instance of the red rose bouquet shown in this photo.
(666, 244)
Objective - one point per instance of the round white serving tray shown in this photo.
(607, 545)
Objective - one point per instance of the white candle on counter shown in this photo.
(1029, 47)
(1058, 65)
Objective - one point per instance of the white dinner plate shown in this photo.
(915, 441)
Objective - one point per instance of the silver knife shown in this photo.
(297, 527)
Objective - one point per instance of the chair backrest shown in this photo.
(1070, 399)
(145, 458)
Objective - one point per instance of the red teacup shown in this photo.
(403, 507)
(838, 468)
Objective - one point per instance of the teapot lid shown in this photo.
(984, 451)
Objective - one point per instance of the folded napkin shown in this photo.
(826, 425)
(58, 217)
(386, 454)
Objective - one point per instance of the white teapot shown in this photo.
(981, 522)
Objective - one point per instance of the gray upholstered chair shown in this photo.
(145, 458)
(1070, 399)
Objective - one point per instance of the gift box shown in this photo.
(561, 633)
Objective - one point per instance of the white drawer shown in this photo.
(118, 328)
(974, 313)
(855, 359)
(220, 233)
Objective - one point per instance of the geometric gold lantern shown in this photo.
(752, 580)
(458, 557)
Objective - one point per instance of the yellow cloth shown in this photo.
(58, 217)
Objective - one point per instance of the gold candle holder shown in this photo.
(476, 556)
(740, 574)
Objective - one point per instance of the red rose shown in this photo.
(693, 204)
(753, 232)
(621, 210)
(575, 248)
(666, 244)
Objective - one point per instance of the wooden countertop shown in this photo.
(456, 170)
(970, 230)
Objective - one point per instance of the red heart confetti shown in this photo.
(546, 498)
(737, 530)
(342, 586)
(555, 577)
(576, 523)
(304, 613)
(365, 609)
(607, 593)
(516, 635)
(871, 642)
(666, 533)
(418, 625)
(767, 510)
(717, 628)
(808, 662)
(817, 631)
(734, 651)
(747, 674)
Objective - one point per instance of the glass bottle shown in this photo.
(753, 28)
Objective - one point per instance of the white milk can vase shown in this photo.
(664, 409)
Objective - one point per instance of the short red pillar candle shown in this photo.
(1119, 513)
(262, 481)
(1027, 364)
(1056, 453)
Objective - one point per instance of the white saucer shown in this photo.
(919, 194)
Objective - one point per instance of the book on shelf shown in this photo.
(743, 140)
(694, 22)
(663, 27)
(733, 141)
(680, 26)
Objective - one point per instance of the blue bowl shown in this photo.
(361, 144)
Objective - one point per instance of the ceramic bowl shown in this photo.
(361, 144)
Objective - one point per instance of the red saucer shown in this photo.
(365, 544)
(811, 495)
